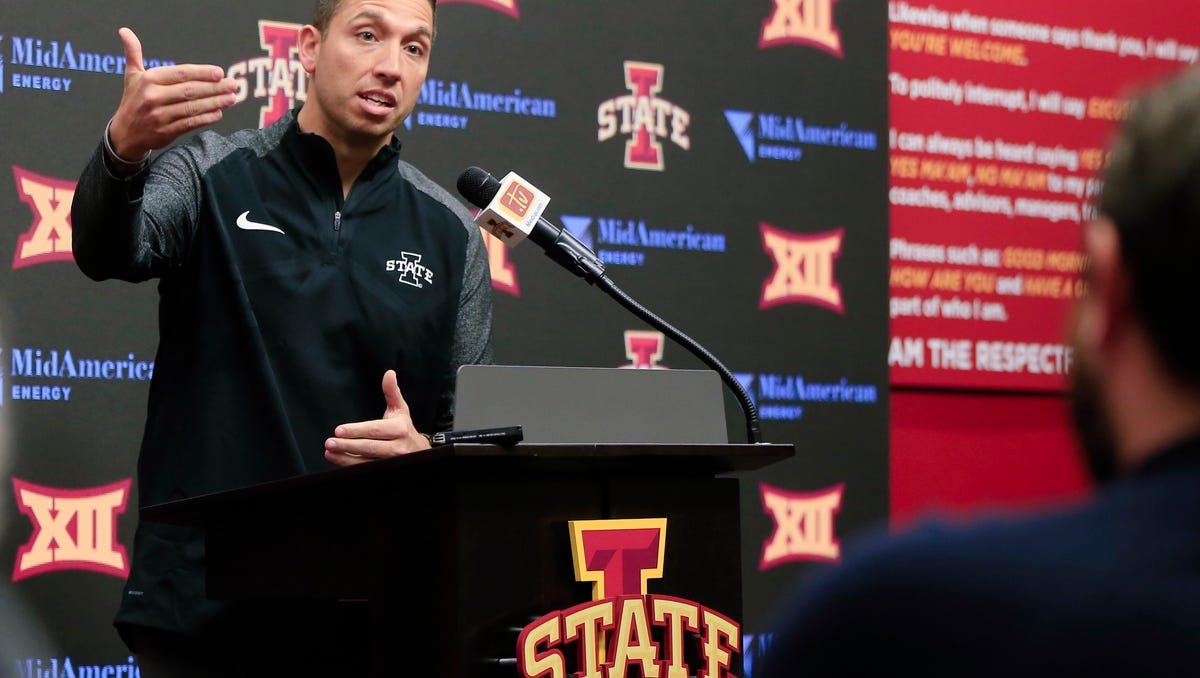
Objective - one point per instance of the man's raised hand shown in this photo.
(161, 104)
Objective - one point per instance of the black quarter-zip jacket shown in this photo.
(281, 306)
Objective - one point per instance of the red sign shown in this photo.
(1000, 116)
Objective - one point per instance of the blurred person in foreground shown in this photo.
(1111, 587)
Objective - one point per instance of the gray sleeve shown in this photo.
(473, 331)
(140, 227)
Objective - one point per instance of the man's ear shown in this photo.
(1108, 283)
(310, 47)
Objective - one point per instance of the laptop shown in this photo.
(593, 404)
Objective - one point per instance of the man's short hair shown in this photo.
(1152, 193)
(325, 9)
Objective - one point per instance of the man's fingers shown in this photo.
(183, 109)
(182, 74)
(134, 63)
(189, 118)
(133, 51)
(222, 93)
(187, 124)
(344, 459)
(391, 393)
(389, 436)
(379, 429)
(361, 449)
(163, 103)
(190, 72)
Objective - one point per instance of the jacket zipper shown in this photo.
(337, 229)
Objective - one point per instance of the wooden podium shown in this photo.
(456, 548)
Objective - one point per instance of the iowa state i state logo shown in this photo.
(623, 631)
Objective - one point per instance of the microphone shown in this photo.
(512, 210)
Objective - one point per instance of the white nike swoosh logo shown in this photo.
(247, 225)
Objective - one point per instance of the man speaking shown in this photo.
(309, 279)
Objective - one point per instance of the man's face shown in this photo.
(368, 68)
(1093, 424)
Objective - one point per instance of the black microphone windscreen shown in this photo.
(478, 186)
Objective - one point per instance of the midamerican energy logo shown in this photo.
(804, 268)
(508, 7)
(804, 525)
(775, 136)
(604, 234)
(644, 117)
(802, 22)
(61, 59)
(30, 368)
(65, 667)
(462, 99)
(72, 529)
(49, 237)
(783, 397)
(612, 634)
(279, 77)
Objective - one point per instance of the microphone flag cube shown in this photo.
(512, 214)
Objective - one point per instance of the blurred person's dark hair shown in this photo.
(1152, 194)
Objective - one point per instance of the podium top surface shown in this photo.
(658, 460)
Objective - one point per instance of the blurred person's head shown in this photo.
(1136, 378)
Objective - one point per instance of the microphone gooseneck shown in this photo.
(753, 432)
(479, 187)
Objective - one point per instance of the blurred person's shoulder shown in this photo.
(1111, 582)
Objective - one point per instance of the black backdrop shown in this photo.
(815, 363)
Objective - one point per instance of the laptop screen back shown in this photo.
(593, 404)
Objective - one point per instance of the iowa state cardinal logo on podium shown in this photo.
(623, 631)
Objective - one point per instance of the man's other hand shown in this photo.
(391, 436)
(161, 104)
